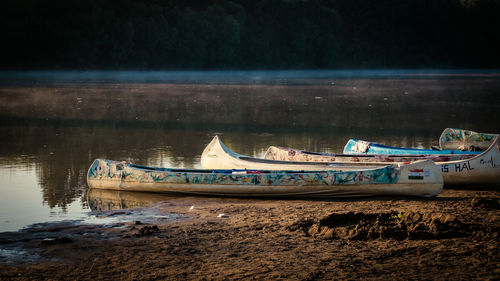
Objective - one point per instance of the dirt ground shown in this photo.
(453, 236)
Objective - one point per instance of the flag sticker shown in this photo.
(427, 173)
(416, 174)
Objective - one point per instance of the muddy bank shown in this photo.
(453, 236)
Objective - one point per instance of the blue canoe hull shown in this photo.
(354, 146)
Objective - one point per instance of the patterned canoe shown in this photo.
(464, 139)
(457, 169)
(420, 178)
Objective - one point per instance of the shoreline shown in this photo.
(451, 236)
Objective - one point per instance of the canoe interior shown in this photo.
(216, 155)
(465, 139)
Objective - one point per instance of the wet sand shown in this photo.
(453, 236)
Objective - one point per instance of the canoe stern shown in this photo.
(105, 174)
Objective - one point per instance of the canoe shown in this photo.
(354, 146)
(480, 169)
(457, 169)
(421, 178)
(464, 139)
(218, 156)
(418, 179)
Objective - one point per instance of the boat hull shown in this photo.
(387, 180)
(483, 169)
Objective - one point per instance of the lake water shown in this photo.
(54, 124)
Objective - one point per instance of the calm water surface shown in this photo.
(54, 124)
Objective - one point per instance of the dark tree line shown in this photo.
(248, 34)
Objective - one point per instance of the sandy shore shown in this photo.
(453, 236)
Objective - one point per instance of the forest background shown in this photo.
(249, 34)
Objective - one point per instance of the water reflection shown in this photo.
(59, 129)
(109, 200)
(61, 155)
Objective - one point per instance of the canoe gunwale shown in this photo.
(416, 156)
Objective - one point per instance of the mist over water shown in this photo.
(54, 124)
(242, 77)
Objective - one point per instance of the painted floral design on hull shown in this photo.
(120, 171)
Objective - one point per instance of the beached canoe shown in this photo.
(421, 178)
(460, 139)
(418, 179)
(218, 156)
(457, 169)
(483, 168)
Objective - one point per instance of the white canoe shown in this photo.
(218, 156)
(465, 139)
(480, 169)
(420, 178)
(457, 169)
